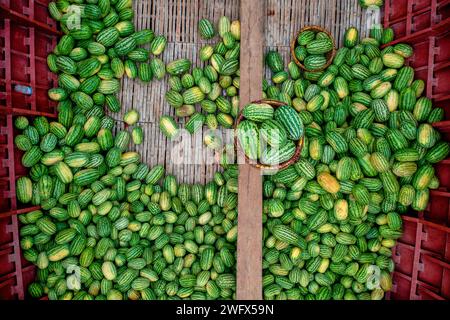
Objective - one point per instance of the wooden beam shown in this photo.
(249, 247)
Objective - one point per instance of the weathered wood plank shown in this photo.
(249, 273)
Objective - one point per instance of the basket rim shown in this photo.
(330, 54)
(258, 165)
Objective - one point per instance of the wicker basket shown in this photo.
(330, 55)
(281, 166)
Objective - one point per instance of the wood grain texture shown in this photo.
(249, 272)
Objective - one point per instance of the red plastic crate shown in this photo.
(13, 275)
(30, 11)
(423, 253)
(27, 35)
(421, 256)
(413, 17)
(23, 61)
